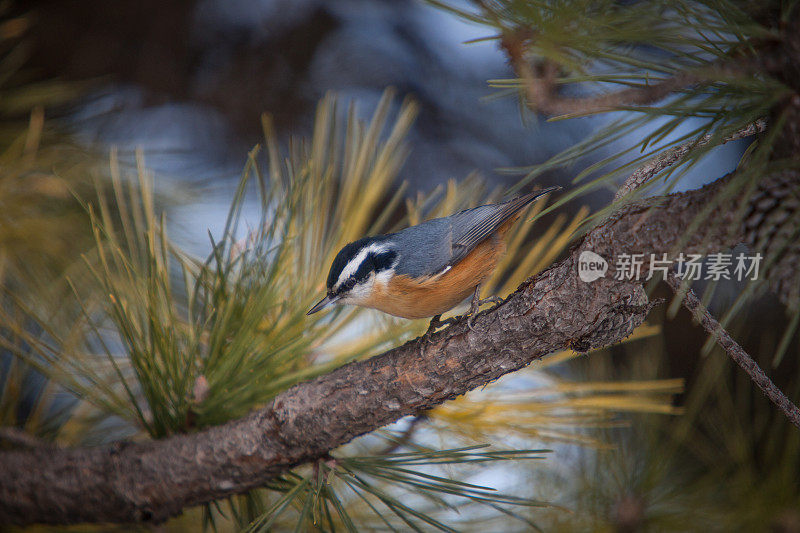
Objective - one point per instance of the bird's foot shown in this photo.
(496, 300)
(476, 303)
(437, 322)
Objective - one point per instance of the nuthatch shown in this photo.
(427, 269)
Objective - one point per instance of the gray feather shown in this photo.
(430, 247)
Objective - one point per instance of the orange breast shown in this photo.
(419, 298)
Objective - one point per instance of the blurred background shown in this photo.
(662, 432)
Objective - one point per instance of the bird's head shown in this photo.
(355, 270)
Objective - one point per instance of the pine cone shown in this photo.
(772, 228)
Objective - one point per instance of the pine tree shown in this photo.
(207, 392)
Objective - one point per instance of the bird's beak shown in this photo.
(322, 304)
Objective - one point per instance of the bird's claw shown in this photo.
(436, 322)
(475, 305)
(496, 300)
(469, 322)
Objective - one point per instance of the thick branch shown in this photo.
(152, 481)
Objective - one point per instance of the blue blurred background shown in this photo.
(187, 82)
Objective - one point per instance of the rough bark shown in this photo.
(151, 481)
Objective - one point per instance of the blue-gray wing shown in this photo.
(431, 247)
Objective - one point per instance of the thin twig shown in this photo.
(543, 98)
(690, 300)
(669, 157)
(736, 352)
(540, 80)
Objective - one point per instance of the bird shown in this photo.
(427, 269)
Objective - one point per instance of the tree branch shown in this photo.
(734, 350)
(669, 157)
(690, 300)
(539, 81)
(151, 481)
(541, 95)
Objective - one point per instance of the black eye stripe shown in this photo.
(375, 261)
(344, 257)
(372, 264)
(384, 260)
(364, 270)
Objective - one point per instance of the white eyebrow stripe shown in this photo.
(352, 266)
